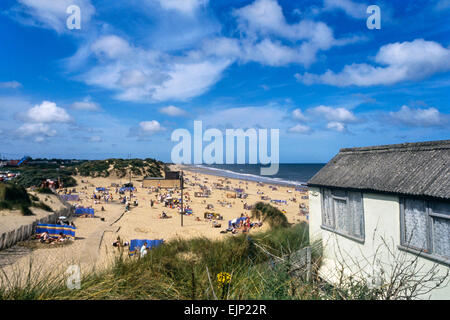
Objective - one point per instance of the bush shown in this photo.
(26, 210)
(270, 214)
(45, 190)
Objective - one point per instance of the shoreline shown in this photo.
(223, 173)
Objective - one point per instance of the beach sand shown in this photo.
(93, 248)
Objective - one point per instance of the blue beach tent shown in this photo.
(136, 244)
(80, 211)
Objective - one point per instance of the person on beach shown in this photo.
(144, 250)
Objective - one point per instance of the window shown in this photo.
(343, 213)
(426, 227)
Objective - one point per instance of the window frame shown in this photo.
(429, 251)
(349, 212)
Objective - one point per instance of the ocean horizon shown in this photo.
(289, 174)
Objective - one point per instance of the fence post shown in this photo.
(308, 263)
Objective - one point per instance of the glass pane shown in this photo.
(341, 215)
(327, 214)
(339, 193)
(357, 213)
(441, 208)
(441, 237)
(415, 224)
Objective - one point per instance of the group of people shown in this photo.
(46, 238)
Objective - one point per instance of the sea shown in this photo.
(289, 174)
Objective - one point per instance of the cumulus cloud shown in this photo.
(263, 19)
(50, 14)
(334, 114)
(337, 126)
(36, 129)
(173, 111)
(150, 127)
(297, 114)
(47, 112)
(144, 75)
(406, 61)
(111, 47)
(430, 117)
(10, 85)
(299, 128)
(86, 105)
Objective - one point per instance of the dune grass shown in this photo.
(187, 269)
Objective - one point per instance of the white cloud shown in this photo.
(400, 62)
(189, 80)
(47, 112)
(299, 128)
(51, 14)
(265, 18)
(36, 129)
(111, 46)
(188, 7)
(173, 111)
(298, 115)
(337, 126)
(10, 85)
(353, 9)
(334, 114)
(150, 127)
(86, 105)
(430, 117)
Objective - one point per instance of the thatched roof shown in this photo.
(421, 169)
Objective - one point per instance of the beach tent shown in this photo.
(136, 244)
(100, 189)
(81, 211)
(125, 189)
(236, 221)
(279, 201)
(55, 229)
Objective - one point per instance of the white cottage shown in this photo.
(379, 207)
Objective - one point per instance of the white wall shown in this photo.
(382, 231)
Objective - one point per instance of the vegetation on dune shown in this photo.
(268, 213)
(188, 269)
(121, 168)
(32, 176)
(14, 197)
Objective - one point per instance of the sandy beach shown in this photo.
(93, 247)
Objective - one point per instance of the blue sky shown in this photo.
(139, 69)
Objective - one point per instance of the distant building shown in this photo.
(399, 194)
(170, 180)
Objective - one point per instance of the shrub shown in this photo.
(25, 210)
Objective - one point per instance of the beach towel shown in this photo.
(55, 229)
(136, 244)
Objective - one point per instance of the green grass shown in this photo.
(14, 197)
(179, 270)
